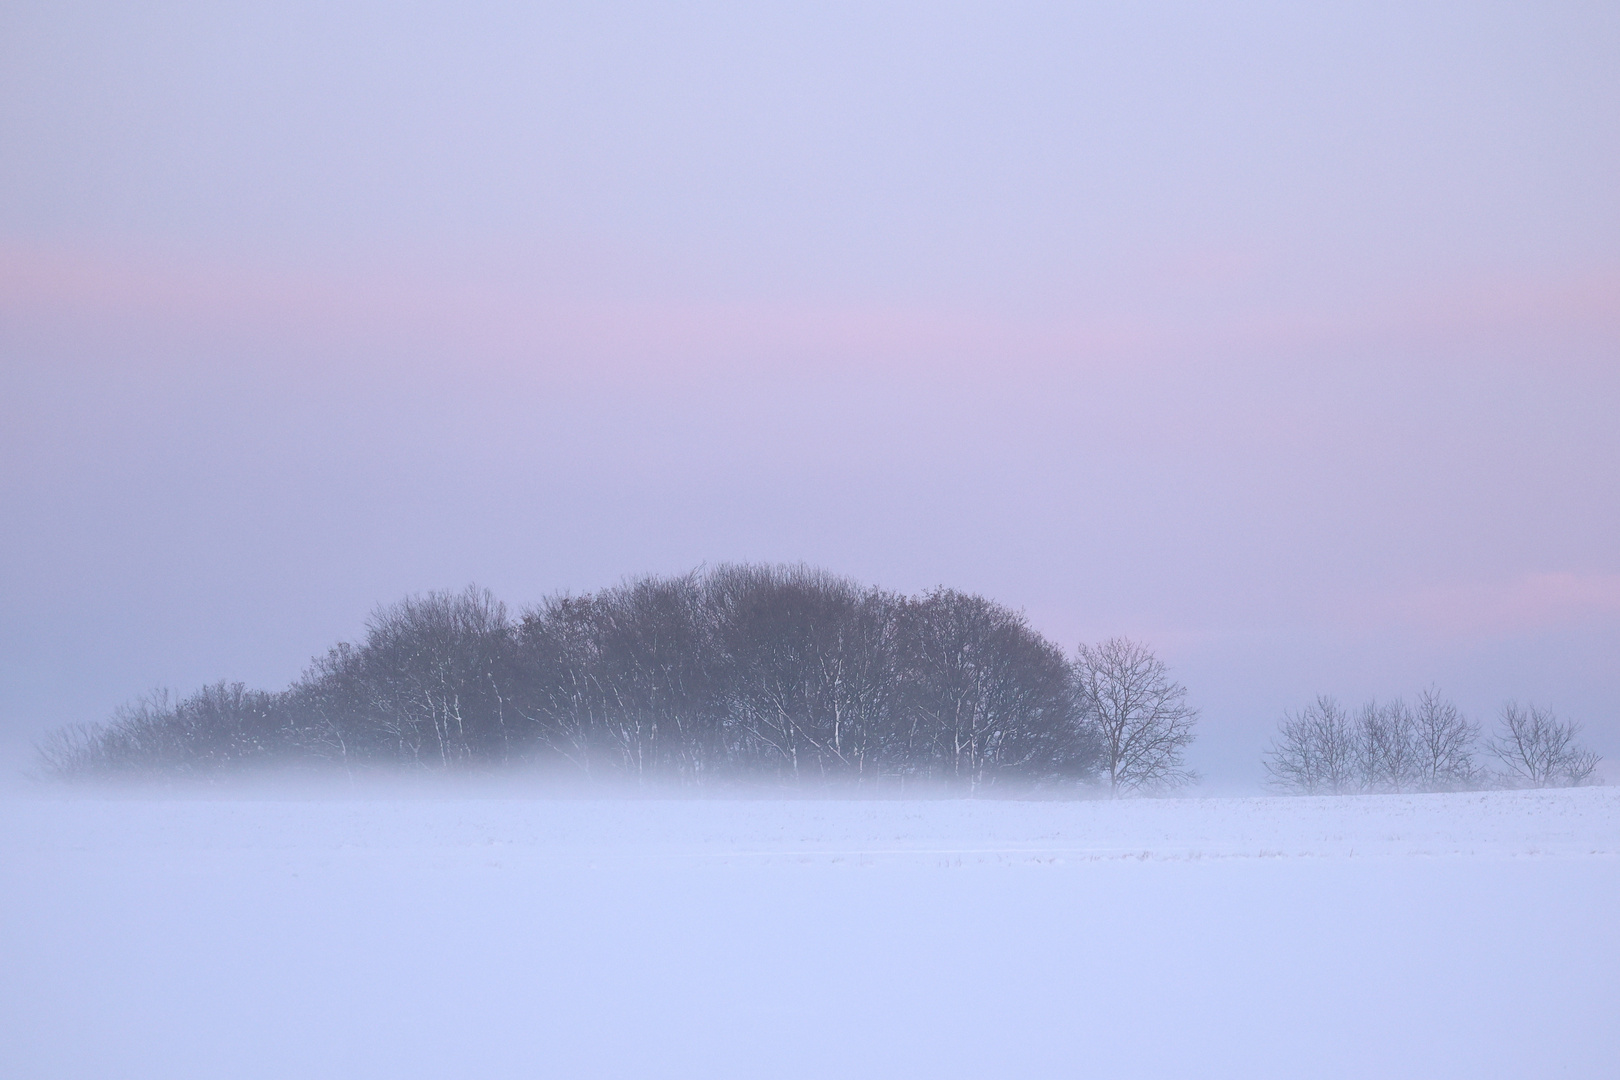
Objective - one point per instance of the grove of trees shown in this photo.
(741, 671)
(1429, 746)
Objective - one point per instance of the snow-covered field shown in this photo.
(445, 935)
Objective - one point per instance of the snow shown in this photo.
(457, 934)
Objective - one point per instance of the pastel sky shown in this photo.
(1285, 337)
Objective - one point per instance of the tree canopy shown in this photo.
(744, 670)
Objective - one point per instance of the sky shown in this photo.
(1283, 337)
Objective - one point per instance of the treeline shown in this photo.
(784, 672)
(1430, 746)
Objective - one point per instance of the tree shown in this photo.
(426, 687)
(1443, 745)
(1140, 714)
(808, 667)
(1539, 750)
(1315, 751)
(987, 696)
(220, 725)
(1387, 752)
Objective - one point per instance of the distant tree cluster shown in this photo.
(1393, 747)
(784, 672)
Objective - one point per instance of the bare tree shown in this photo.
(987, 696)
(222, 724)
(1539, 750)
(1315, 751)
(424, 688)
(1141, 715)
(1443, 745)
(1387, 747)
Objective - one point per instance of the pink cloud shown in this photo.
(1532, 602)
(510, 313)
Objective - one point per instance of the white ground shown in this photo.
(367, 936)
